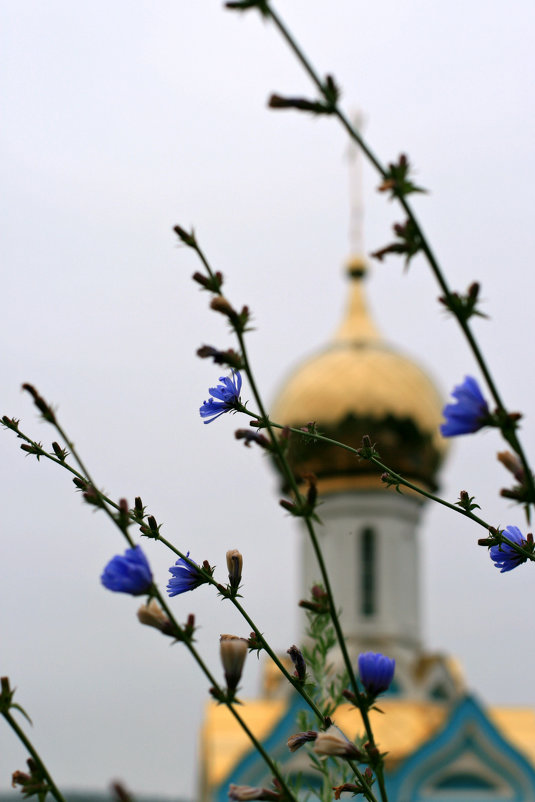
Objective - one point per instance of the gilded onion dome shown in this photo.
(360, 385)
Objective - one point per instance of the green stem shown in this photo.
(31, 749)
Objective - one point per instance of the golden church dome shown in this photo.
(360, 385)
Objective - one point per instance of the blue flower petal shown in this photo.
(505, 558)
(228, 395)
(129, 573)
(184, 577)
(469, 414)
(376, 672)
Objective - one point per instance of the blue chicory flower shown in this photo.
(185, 577)
(376, 672)
(504, 556)
(469, 414)
(227, 395)
(129, 573)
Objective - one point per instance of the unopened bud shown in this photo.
(350, 788)
(512, 463)
(233, 652)
(299, 662)
(234, 565)
(333, 744)
(220, 304)
(152, 615)
(296, 741)
(185, 236)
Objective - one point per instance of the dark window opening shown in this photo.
(368, 569)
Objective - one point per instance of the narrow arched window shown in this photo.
(367, 571)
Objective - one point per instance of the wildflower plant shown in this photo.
(323, 672)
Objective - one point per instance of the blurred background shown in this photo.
(122, 119)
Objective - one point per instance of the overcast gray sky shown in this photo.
(122, 119)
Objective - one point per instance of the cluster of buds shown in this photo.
(304, 506)
(238, 320)
(255, 643)
(355, 788)
(89, 492)
(408, 243)
(151, 528)
(396, 179)
(233, 651)
(319, 603)
(229, 357)
(33, 783)
(212, 282)
(368, 449)
(234, 566)
(463, 306)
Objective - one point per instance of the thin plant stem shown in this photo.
(54, 790)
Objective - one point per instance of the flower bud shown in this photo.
(233, 652)
(220, 304)
(299, 662)
(512, 463)
(152, 615)
(333, 744)
(234, 565)
(296, 741)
